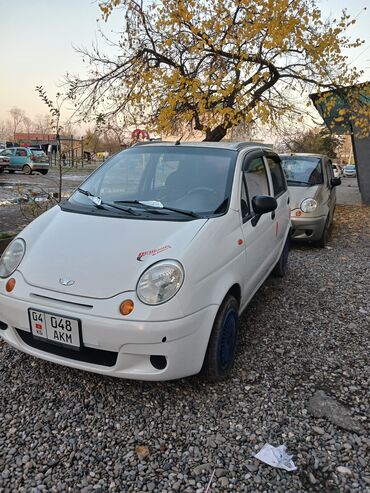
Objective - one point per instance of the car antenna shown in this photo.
(178, 141)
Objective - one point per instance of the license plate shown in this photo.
(55, 328)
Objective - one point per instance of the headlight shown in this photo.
(308, 205)
(160, 282)
(12, 257)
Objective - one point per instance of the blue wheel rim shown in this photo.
(227, 340)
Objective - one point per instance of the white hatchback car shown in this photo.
(142, 273)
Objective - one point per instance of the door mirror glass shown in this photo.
(262, 204)
(335, 182)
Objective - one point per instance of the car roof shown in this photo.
(302, 154)
(18, 147)
(233, 146)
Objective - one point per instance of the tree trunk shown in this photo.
(215, 135)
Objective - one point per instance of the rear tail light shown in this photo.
(33, 158)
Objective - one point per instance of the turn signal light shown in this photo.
(10, 285)
(298, 213)
(126, 307)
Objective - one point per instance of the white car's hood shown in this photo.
(103, 256)
(298, 194)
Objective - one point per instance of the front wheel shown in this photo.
(222, 343)
(27, 169)
(282, 264)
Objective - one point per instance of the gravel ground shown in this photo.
(63, 430)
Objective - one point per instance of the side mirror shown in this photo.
(262, 204)
(335, 182)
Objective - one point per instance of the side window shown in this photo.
(21, 152)
(7, 152)
(277, 175)
(256, 179)
(329, 167)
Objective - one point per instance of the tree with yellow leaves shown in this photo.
(214, 64)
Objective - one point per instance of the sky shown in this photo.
(37, 39)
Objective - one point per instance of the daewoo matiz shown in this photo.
(142, 273)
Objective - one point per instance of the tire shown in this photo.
(280, 268)
(27, 170)
(1, 170)
(322, 242)
(222, 343)
(44, 171)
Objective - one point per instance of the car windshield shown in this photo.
(162, 182)
(302, 170)
(350, 167)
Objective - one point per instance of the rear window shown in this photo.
(37, 152)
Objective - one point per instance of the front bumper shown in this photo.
(112, 346)
(307, 228)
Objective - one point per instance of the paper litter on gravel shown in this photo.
(276, 457)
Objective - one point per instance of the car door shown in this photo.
(260, 239)
(331, 190)
(10, 154)
(19, 159)
(281, 194)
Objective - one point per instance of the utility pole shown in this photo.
(82, 152)
(73, 160)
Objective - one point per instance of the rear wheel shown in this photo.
(221, 348)
(27, 170)
(282, 264)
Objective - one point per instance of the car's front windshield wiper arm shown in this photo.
(158, 208)
(181, 211)
(98, 202)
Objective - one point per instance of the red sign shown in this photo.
(139, 134)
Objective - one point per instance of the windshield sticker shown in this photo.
(152, 253)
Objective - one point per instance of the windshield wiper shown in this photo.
(158, 208)
(181, 211)
(98, 202)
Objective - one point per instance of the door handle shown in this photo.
(273, 215)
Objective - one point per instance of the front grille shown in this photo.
(85, 354)
(83, 305)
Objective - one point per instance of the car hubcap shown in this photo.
(228, 340)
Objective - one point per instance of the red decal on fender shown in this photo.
(153, 252)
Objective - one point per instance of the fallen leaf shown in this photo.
(142, 452)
